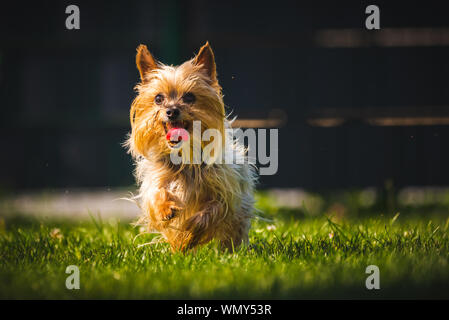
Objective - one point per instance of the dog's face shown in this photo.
(173, 97)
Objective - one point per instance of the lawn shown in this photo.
(294, 255)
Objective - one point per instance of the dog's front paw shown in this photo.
(169, 211)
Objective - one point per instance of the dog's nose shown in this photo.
(172, 113)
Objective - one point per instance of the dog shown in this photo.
(189, 204)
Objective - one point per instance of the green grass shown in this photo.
(294, 256)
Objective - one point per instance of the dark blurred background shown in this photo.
(355, 107)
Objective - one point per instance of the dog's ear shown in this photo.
(206, 59)
(144, 61)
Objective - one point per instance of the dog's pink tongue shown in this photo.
(177, 134)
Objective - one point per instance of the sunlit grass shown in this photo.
(293, 256)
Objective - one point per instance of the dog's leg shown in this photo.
(240, 224)
(201, 227)
(211, 222)
(236, 235)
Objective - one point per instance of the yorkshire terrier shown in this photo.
(192, 202)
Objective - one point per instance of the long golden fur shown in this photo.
(189, 204)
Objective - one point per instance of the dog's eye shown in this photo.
(159, 99)
(188, 98)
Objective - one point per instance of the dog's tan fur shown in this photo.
(190, 204)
